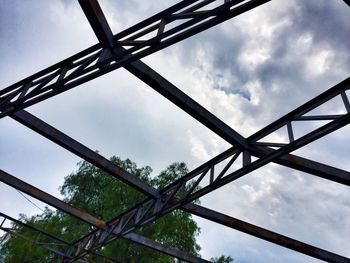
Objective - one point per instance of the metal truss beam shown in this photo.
(91, 220)
(51, 82)
(308, 166)
(177, 194)
(124, 50)
(52, 243)
(91, 63)
(264, 234)
(292, 161)
(318, 169)
(331, 93)
(68, 143)
(98, 22)
(166, 88)
(145, 73)
(192, 208)
(298, 162)
(82, 151)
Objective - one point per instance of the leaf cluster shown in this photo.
(92, 190)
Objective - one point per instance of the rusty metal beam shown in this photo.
(90, 219)
(98, 22)
(43, 239)
(173, 198)
(138, 68)
(146, 74)
(85, 66)
(103, 32)
(308, 166)
(265, 234)
(36, 241)
(311, 166)
(292, 161)
(166, 250)
(49, 199)
(51, 133)
(82, 151)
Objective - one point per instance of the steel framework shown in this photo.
(125, 49)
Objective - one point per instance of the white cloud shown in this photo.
(248, 71)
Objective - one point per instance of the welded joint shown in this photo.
(105, 58)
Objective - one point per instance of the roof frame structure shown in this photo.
(124, 50)
(90, 220)
(191, 208)
(172, 197)
(55, 245)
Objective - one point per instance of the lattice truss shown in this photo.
(125, 49)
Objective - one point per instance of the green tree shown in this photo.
(222, 259)
(92, 190)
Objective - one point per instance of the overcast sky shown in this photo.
(248, 71)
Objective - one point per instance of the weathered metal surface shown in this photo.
(187, 104)
(88, 69)
(82, 151)
(171, 198)
(49, 199)
(146, 74)
(153, 75)
(300, 111)
(96, 18)
(43, 239)
(166, 250)
(264, 234)
(111, 49)
(297, 162)
(308, 166)
(89, 219)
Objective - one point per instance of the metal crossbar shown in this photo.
(125, 49)
(175, 195)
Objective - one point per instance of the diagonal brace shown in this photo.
(90, 219)
(103, 32)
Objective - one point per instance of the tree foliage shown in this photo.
(92, 190)
(222, 259)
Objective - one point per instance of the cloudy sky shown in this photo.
(248, 71)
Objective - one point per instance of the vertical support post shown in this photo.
(290, 131)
